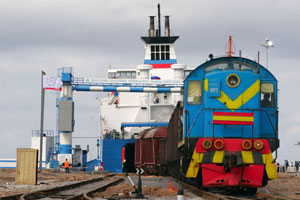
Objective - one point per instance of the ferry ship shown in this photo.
(124, 115)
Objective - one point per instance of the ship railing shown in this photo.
(46, 133)
(127, 82)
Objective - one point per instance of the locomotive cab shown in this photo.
(230, 124)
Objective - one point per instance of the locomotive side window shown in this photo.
(267, 95)
(194, 96)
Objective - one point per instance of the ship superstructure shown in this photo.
(160, 64)
(124, 114)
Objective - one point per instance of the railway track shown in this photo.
(87, 189)
(80, 190)
(215, 196)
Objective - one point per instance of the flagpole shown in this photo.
(42, 120)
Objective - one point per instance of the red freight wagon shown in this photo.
(148, 149)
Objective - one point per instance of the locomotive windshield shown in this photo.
(237, 65)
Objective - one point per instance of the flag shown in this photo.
(234, 118)
(52, 83)
(155, 77)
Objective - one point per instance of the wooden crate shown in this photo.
(26, 170)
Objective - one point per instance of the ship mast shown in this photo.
(159, 31)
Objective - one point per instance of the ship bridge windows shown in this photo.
(194, 96)
(267, 95)
(160, 52)
(122, 75)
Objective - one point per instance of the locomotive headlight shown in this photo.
(207, 144)
(218, 144)
(247, 144)
(258, 144)
(233, 80)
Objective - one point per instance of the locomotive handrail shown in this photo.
(187, 119)
(195, 120)
(274, 130)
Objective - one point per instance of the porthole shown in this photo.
(232, 80)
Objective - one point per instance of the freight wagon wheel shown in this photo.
(164, 170)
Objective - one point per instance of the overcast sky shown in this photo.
(90, 35)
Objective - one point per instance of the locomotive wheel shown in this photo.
(199, 179)
(265, 179)
(251, 191)
(163, 171)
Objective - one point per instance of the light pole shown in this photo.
(268, 43)
(42, 121)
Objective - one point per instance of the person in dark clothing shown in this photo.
(297, 165)
(286, 165)
(266, 100)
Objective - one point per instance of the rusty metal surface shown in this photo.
(175, 129)
(148, 149)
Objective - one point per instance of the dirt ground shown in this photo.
(287, 185)
(46, 179)
(153, 187)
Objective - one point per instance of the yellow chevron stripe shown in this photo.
(241, 100)
(270, 166)
(233, 118)
(247, 157)
(218, 157)
(206, 85)
(194, 165)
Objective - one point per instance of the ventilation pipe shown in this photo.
(167, 26)
(151, 30)
(144, 71)
(178, 71)
(178, 75)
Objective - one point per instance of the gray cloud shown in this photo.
(91, 35)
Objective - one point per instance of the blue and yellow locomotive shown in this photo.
(230, 126)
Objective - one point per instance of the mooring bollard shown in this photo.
(180, 195)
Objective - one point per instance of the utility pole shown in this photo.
(42, 120)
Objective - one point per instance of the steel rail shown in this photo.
(89, 195)
(57, 189)
(215, 196)
(273, 197)
(202, 193)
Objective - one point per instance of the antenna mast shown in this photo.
(231, 47)
(159, 32)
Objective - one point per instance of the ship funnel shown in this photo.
(167, 26)
(151, 30)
